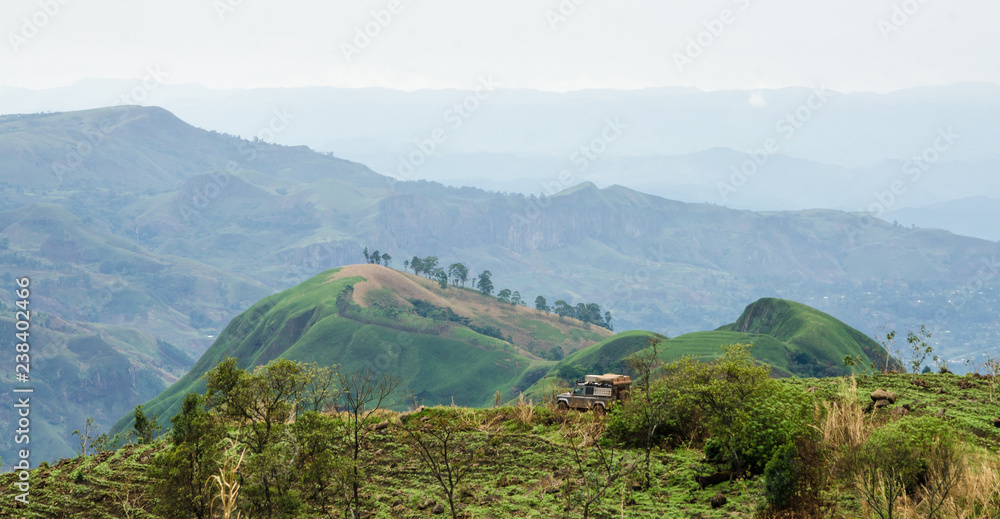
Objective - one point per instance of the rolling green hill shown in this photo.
(794, 339)
(816, 342)
(448, 345)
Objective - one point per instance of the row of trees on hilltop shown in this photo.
(457, 274)
(587, 312)
(376, 258)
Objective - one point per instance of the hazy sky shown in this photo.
(847, 45)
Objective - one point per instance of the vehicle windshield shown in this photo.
(578, 391)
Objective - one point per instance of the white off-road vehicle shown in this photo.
(596, 392)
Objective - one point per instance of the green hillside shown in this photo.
(794, 339)
(816, 342)
(373, 317)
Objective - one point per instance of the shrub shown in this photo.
(747, 412)
(917, 435)
(679, 417)
(779, 476)
(734, 399)
(795, 474)
(897, 457)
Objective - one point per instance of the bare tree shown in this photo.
(647, 367)
(361, 395)
(90, 444)
(946, 468)
(437, 443)
(992, 365)
(887, 338)
(599, 467)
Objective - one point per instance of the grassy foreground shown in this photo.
(532, 461)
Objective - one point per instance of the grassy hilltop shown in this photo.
(792, 338)
(449, 345)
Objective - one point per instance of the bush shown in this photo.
(779, 477)
(747, 412)
(896, 459)
(770, 419)
(679, 416)
(916, 437)
(795, 474)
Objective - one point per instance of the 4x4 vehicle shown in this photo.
(596, 392)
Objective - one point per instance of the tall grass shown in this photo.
(524, 411)
(844, 424)
(976, 494)
(227, 485)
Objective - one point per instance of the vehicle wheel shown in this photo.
(599, 410)
(563, 406)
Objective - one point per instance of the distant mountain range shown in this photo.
(976, 216)
(830, 150)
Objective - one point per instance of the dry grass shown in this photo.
(524, 411)
(463, 302)
(844, 425)
(975, 496)
(403, 285)
(226, 482)
(470, 419)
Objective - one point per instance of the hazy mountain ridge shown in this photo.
(975, 216)
(838, 151)
(667, 121)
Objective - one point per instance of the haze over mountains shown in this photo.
(832, 150)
